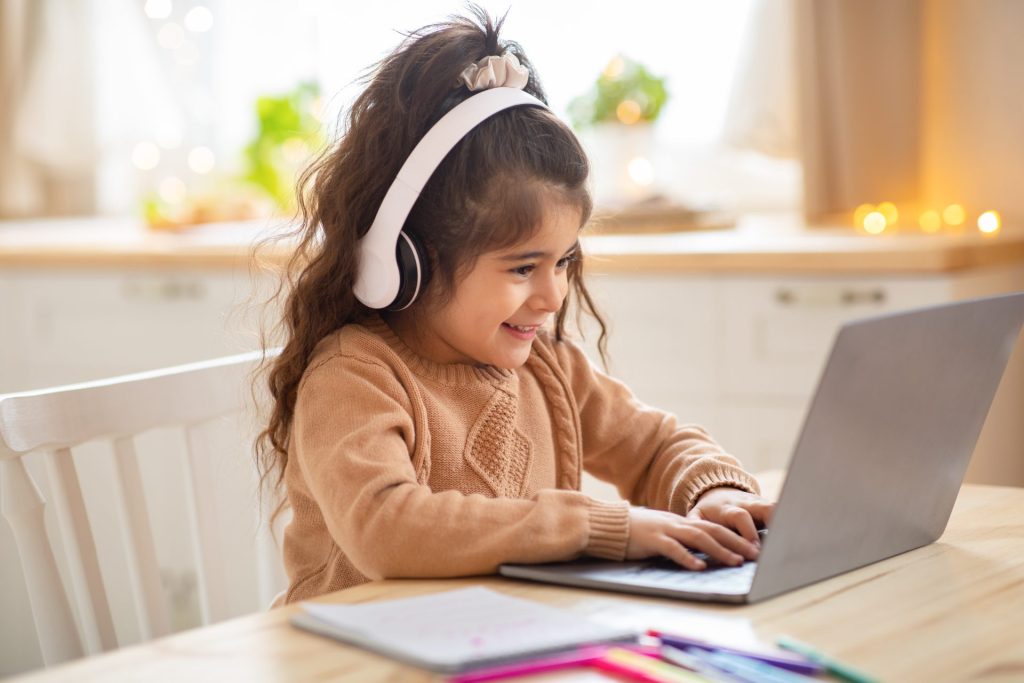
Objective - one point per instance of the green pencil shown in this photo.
(833, 666)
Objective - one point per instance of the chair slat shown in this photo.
(271, 573)
(201, 490)
(23, 507)
(140, 550)
(123, 406)
(80, 550)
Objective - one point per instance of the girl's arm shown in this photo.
(355, 443)
(651, 457)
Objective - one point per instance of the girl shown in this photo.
(431, 426)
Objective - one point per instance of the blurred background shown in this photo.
(171, 99)
(764, 170)
(193, 110)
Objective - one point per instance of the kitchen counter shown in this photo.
(759, 244)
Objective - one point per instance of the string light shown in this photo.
(989, 222)
(888, 209)
(930, 221)
(860, 213)
(954, 215)
(874, 223)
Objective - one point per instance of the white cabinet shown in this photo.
(742, 354)
(738, 354)
(65, 326)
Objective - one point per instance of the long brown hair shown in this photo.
(488, 194)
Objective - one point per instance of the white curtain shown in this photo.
(46, 124)
(762, 113)
(82, 82)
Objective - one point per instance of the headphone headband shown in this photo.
(378, 278)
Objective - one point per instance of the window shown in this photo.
(176, 83)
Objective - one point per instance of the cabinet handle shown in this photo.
(164, 290)
(844, 297)
(852, 297)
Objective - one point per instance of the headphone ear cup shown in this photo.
(413, 271)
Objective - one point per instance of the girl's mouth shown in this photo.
(524, 332)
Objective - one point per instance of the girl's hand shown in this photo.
(656, 532)
(735, 509)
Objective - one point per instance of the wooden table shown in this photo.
(952, 611)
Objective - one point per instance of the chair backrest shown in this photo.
(52, 422)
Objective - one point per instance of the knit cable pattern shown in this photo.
(497, 451)
(565, 416)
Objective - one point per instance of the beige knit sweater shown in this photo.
(400, 467)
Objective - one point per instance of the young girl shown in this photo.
(438, 425)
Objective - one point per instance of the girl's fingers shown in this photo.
(674, 551)
(734, 542)
(709, 538)
(741, 520)
(762, 511)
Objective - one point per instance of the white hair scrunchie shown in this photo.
(495, 72)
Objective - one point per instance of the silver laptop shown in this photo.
(877, 467)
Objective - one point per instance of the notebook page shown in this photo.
(461, 628)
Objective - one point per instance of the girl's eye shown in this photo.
(566, 260)
(562, 264)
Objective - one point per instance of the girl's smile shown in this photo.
(525, 333)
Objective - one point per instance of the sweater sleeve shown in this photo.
(651, 457)
(355, 440)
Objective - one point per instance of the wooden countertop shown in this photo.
(759, 244)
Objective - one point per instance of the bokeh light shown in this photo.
(954, 215)
(860, 213)
(158, 9)
(930, 221)
(146, 155)
(888, 209)
(989, 222)
(201, 159)
(199, 19)
(172, 190)
(874, 223)
(641, 171)
(628, 112)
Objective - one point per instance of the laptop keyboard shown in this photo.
(717, 578)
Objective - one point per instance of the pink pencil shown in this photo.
(581, 657)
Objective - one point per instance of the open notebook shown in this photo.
(458, 630)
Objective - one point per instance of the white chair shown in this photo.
(53, 421)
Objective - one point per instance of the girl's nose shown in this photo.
(550, 293)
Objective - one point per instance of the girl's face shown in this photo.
(494, 314)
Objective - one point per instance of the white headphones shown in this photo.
(393, 267)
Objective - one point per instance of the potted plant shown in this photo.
(615, 119)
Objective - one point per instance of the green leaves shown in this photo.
(288, 135)
(625, 92)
